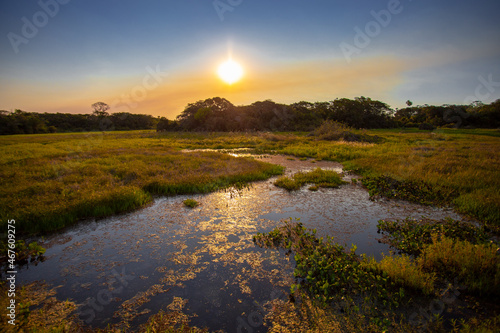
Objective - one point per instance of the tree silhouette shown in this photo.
(100, 109)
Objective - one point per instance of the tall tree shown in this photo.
(100, 109)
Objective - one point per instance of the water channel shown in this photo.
(203, 261)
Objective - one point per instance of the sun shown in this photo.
(230, 71)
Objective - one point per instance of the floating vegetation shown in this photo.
(37, 310)
(412, 191)
(319, 177)
(169, 322)
(331, 274)
(411, 235)
(31, 253)
(449, 248)
(359, 293)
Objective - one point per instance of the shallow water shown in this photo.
(203, 261)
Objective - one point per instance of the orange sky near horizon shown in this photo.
(167, 97)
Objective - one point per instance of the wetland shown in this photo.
(153, 259)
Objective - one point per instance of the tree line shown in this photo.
(22, 122)
(219, 115)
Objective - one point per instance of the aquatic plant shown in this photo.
(411, 235)
(31, 253)
(331, 274)
(412, 191)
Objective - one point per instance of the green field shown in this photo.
(49, 181)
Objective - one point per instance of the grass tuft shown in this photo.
(319, 177)
(405, 272)
(191, 203)
(475, 266)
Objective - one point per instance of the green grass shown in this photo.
(366, 294)
(475, 266)
(191, 203)
(460, 168)
(447, 167)
(319, 177)
(451, 249)
(51, 181)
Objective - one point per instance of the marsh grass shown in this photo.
(47, 184)
(453, 167)
(318, 177)
(404, 272)
(450, 167)
(191, 203)
(475, 266)
(336, 290)
(410, 236)
(447, 249)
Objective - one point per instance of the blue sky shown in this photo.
(433, 52)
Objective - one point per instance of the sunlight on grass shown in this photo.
(49, 186)
(319, 177)
(476, 266)
(51, 180)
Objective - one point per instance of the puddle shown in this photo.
(202, 261)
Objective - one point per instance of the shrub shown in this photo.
(331, 130)
(426, 127)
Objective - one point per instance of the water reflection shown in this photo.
(202, 261)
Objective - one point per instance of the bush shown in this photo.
(426, 127)
(331, 130)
